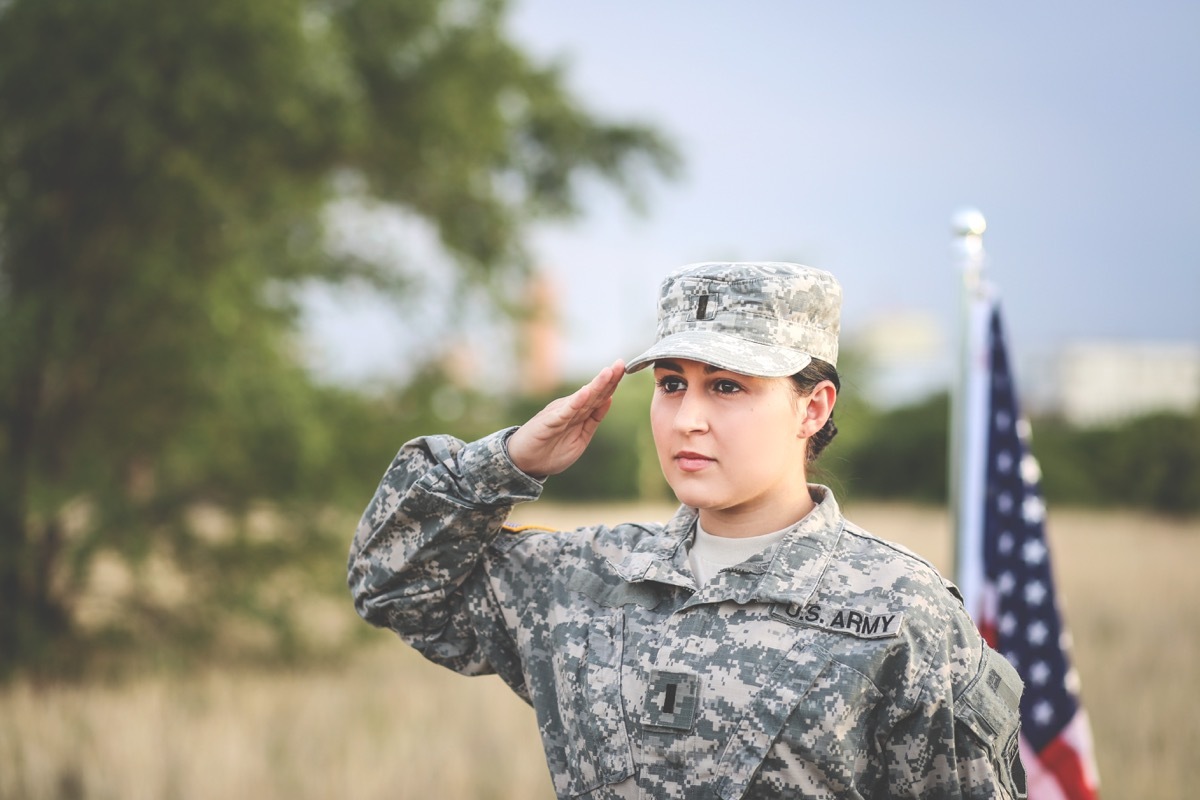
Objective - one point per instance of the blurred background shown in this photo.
(247, 250)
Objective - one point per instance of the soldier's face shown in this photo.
(729, 444)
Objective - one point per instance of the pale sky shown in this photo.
(846, 135)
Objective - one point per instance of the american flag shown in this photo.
(1012, 596)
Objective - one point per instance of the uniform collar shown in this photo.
(786, 573)
(662, 558)
(791, 571)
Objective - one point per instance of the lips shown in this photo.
(688, 461)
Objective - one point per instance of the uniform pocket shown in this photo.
(588, 676)
(990, 710)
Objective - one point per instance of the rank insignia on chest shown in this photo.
(840, 620)
(671, 700)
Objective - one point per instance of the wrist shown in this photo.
(516, 462)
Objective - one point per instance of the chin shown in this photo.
(691, 496)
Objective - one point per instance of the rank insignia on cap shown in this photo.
(706, 304)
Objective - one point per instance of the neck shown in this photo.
(744, 522)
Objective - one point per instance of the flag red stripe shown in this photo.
(987, 629)
(1061, 758)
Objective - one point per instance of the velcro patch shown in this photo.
(840, 620)
(615, 594)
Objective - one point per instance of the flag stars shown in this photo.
(1072, 683)
(1037, 633)
(1033, 551)
(1031, 471)
(1035, 593)
(1018, 598)
(1033, 510)
(1043, 712)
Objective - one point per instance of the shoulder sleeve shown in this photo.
(959, 737)
(416, 562)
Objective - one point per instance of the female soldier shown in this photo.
(758, 644)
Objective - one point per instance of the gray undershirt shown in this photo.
(710, 554)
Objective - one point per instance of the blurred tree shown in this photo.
(856, 421)
(1161, 456)
(901, 454)
(1150, 462)
(163, 172)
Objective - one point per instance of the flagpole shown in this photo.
(968, 400)
(1002, 562)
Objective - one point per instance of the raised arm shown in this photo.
(416, 561)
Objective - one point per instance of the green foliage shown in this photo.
(902, 454)
(164, 172)
(855, 420)
(1162, 456)
(462, 128)
(1150, 462)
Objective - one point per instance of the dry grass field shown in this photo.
(391, 726)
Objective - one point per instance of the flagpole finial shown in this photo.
(968, 225)
(969, 222)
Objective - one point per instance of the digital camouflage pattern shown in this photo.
(764, 318)
(835, 665)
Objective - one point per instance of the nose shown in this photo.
(692, 413)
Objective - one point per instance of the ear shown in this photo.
(817, 408)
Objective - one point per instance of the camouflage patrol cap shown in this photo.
(764, 318)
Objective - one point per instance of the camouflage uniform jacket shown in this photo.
(835, 665)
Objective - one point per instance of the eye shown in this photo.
(726, 386)
(670, 384)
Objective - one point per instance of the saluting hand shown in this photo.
(558, 434)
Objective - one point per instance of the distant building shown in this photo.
(905, 358)
(1100, 382)
(540, 343)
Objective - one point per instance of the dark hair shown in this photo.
(804, 382)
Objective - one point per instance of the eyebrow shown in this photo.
(673, 366)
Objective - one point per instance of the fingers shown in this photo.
(557, 435)
(589, 402)
(609, 383)
(597, 394)
(607, 380)
(615, 373)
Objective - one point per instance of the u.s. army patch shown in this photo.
(840, 620)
